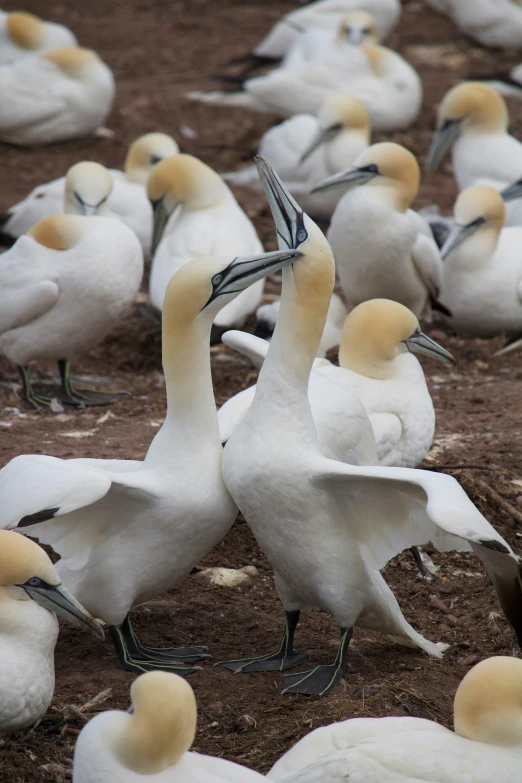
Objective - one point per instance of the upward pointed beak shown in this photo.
(422, 344)
(59, 600)
(443, 138)
(287, 214)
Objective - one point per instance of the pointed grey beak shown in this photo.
(443, 138)
(348, 179)
(288, 215)
(160, 219)
(422, 344)
(322, 136)
(88, 210)
(59, 600)
(244, 271)
(512, 191)
(458, 235)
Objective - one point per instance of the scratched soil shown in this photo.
(158, 49)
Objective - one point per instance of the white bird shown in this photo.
(328, 527)
(495, 23)
(63, 287)
(153, 742)
(325, 14)
(29, 629)
(382, 248)
(266, 318)
(62, 93)
(376, 361)
(127, 531)
(23, 34)
(482, 277)
(127, 201)
(196, 215)
(487, 738)
(473, 118)
(389, 87)
(307, 149)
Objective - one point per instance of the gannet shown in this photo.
(206, 220)
(63, 287)
(376, 361)
(497, 24)
(153, 742)
(127, 202)
(389, 87)
(29, 629)
(382, 248)
(325, 14)
(474, 119)
(62, 93)
(266, 317)
(485, 746)
(482, 276)
(307, 149)
(23, 34)
(126, 530)
(310, 514)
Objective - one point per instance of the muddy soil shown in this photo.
(159, 50)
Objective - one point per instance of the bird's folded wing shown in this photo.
(21, 304)
(28, 100)
(427, 263)
(231, 413)
(387, 429)
(255, 348)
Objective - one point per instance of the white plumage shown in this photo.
(23, 34)
(495, 23)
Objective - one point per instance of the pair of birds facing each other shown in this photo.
(400, 259)
(473, 120)
(152, 740)
(55, 95)
(31, 595)
(387, 85)
(306, 150)
(23, 34)
(90, 189)
(272, 460)
(497, 24)
(195, 216)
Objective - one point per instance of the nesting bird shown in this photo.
(127, 530)
(482, 276)
(196, 215)
(497, 24)
(307, 149)
(152, 742)
(62, 93)
(63, 287)
(31, 595)
(23, 34)
(487, 738)
(382, 248)
(126, 198)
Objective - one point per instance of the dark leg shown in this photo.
(322, 679)
(134, 656)
(80, 397)
(32, 399)
(283, 658)
(426, 568)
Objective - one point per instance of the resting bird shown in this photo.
(196, 215)
(63, 287)
(497, 24)
(126, 202)
(31, 595)
(23, 34)
(152, 743)
(487, 738)
(310, 514)
(308, 149)
(127, 531)
(382, 248)
(63, 93)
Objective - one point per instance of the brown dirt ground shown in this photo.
(158, 50)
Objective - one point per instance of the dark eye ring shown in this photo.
(216, 280)
(301, 235)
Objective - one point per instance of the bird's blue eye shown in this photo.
(216, 280)
(34, 581)
(301, 235)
